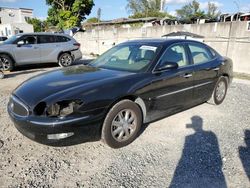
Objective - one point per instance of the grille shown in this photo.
(18, 107)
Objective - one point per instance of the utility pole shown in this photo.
(99, 12)
(162, 5)
(238, 7)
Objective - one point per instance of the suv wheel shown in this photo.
(122, 124)
(8, 64)
(65, 60)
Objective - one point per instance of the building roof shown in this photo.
(16, 8)
(246, 14)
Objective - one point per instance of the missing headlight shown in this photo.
(63, 108)
(40, 109)
(67, 110)
(53, 110)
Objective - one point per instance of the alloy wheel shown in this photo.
(124, 125)
(66, 60)
(6, 63)
(220, 91)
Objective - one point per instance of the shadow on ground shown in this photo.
(200, 164)
(27, 69)
(244, 153)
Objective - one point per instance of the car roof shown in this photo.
(43, 33)
(159, 41)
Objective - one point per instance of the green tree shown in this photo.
(145, 8)
(92, 20)
(190, 12)
(38, 25)
(213, 11)
(68, 13)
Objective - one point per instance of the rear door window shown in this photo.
(200, 53)
(62, 39)
(43, 39)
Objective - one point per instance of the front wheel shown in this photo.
(65, 60)
(7, 62)
(220, 91)
(122, 124)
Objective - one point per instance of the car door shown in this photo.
(27, 50)
(205, 73)
(48, 45)
(171, 90)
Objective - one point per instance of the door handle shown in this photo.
(187, 75)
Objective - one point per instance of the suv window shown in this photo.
(42, 39)
(28, 40)
(199, 53)
(174, 54)
(62, 39)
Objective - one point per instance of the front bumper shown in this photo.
(86, 128)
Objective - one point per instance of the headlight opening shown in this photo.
(63, 108)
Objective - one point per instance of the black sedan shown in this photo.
(133, 83)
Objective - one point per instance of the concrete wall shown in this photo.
(230, 39)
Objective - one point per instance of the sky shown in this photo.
(112, 9)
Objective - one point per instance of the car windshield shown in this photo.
(11, 39)
(128, 57)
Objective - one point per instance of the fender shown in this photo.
(8, 54)
(142, 105)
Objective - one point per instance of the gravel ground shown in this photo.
(206, 146)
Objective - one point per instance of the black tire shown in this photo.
(216, 98)
(8, 64)
(65, 60)
(108, 131)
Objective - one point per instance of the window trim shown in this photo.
(174, 44)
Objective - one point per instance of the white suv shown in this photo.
(33, 48)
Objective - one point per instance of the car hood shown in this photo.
(47, 84)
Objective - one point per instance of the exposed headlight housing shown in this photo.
(63, 108)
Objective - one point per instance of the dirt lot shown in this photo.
(207, 146)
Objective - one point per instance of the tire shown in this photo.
(65, 60)
(8, 64)
(220, 91)
(117, 131)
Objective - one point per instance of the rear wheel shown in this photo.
(122, 124)
(7, 62)
(65, 60)
(220, 91)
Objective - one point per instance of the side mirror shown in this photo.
(168, 66)
(20, 43)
